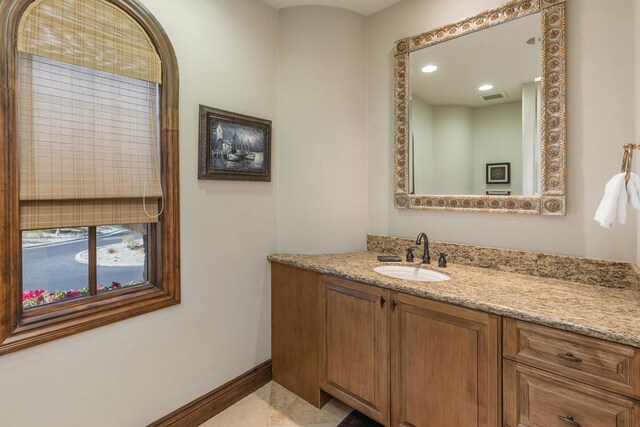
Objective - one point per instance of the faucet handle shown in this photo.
(410, 255)
(442, 262)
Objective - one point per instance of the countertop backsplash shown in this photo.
(612, 274)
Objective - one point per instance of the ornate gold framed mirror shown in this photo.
(479, 113)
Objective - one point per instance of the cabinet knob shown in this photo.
(569, 420)
(570, 357)
(382, 301)
(393, 304)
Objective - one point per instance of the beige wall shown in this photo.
(454, 143)
(453, 149)
(531, 123)
(135, 371)
(322, 131)
(600, 119)
(503, 145)
(423, 154)
(636, 8)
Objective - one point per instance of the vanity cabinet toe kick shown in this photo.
(407, 361)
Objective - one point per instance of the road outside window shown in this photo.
(50, 272)
(122, 257)
(56, 267)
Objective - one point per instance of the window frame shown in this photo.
(21, 329)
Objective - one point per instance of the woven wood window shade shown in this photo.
(88, 117)
(89, 33)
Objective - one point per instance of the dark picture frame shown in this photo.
(498, 192)
(233, 147)
(499, 173)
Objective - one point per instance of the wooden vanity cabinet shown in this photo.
(295, 332)
(554, 378)
(535, 398)
(433, 364)
(610, 366)
(407, 361)
(354, 360)
(445, 365)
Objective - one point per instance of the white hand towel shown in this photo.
(633, 190)
(613, 207)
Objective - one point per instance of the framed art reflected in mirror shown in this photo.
(498, 173)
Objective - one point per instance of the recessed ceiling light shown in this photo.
(486, 87)
(537, 79)
(429, 68)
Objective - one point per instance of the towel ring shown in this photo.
(627, 160)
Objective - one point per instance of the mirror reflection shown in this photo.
(475, 113)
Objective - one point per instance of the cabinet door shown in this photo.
(444, 365)
(355, 346)
(534, 398)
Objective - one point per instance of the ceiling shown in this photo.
(363, 7)
(498, 55)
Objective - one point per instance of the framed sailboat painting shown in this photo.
(233, 146)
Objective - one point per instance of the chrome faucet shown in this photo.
(426, 259)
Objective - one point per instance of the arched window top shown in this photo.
(89, 33)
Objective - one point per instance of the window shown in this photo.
(58, 264)
(90, 206)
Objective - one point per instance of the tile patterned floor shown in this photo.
(273, 405)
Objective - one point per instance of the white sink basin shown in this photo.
(411, 273)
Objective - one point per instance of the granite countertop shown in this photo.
(601, 312)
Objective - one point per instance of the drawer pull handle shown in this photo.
(570, 357)
(569, 420)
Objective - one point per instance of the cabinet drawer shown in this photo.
(606, 365)
(534, 398)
